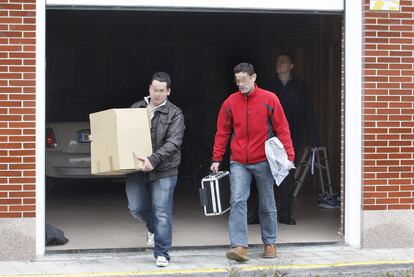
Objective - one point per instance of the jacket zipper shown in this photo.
(247, 129)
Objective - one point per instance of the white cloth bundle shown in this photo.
(278, 160)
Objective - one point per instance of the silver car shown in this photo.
(68, 150)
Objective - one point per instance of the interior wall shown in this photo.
(315, 43)
(104, 59)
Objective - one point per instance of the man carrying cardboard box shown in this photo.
(150, 190)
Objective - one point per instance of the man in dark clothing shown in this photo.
(150, 191)
(297, 105)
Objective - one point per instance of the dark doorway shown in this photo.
(104, 59)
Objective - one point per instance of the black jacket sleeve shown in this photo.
(172, 140)
(310, 122)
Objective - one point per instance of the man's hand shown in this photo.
(147, 165)
(215, 167)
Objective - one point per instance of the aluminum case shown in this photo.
(215, 193)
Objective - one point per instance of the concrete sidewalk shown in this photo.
(293, 260)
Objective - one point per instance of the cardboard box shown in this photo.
(119, 137)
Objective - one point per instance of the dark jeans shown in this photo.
(285, 192)
(152, 203)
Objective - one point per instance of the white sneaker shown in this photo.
(150, 239)
(161, 261)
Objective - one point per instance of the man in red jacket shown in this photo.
(250, 116)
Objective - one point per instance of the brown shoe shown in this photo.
(238, 254)
(269, 251)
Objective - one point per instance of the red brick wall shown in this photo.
(388, 132)
(17, 108)
(388, 154)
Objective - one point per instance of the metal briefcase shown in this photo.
(215, 193)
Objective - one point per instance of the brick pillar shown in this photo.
(388, 141)
(17, 128)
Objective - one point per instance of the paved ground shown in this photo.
(294, 260)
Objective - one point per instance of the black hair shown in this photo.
(244, 67)
(288, 55)
(162, 77)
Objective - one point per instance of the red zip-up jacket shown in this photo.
(250, 121)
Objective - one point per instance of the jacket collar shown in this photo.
(251, 94)
(291, 78)
(163, 109)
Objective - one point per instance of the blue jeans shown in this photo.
(152, 203)
(240, 180)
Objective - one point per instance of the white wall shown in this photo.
(353, 119)
(40, 124)
(307, 5)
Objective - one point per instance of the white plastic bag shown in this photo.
(278, 160)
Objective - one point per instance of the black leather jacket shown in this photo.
(167, 131)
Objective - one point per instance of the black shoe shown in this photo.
(290, 221)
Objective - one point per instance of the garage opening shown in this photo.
(101, 59)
